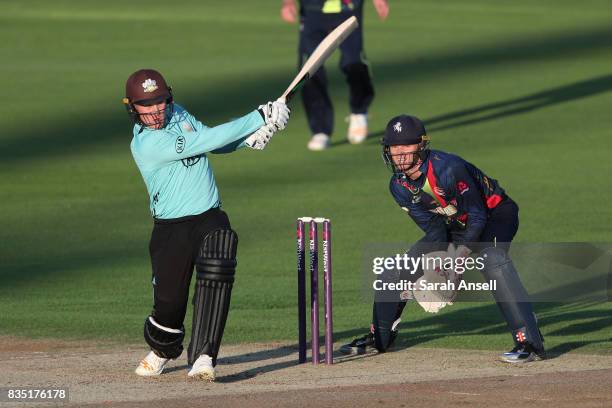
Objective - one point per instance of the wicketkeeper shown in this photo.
(189, 227)
(453, 201)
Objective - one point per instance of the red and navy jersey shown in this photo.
(451, 196)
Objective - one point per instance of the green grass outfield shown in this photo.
(521, 89)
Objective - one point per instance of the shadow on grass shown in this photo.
(487, 112)
(53, 268)
(239, 95)
(509, 107)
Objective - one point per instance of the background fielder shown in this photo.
(169, 147)
(317, 19)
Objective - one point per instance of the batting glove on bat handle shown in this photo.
(275, 113)
(260, 138)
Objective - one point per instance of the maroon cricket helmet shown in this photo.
(147, 87)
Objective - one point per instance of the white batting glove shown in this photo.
(275, 113)
(260, 138)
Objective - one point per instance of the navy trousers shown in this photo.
(317, 103)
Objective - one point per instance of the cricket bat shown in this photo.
(320, 54)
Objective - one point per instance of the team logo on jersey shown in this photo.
(190, 161)
(462, 187)
(397, 127)
(149, 85)
(416, 198)
(179, 145)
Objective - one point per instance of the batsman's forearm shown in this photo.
(231, 147)
(219, 137)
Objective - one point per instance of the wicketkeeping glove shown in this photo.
(434, 300)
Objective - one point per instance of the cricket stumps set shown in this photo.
(314, 287)
(310, 67)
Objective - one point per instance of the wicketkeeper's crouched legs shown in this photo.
(215, 268)
(388, 306)
(385, 318)
(512, 298)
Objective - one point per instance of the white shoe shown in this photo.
(358, 128)
(320, 141)
(151, 365)
(203, 369)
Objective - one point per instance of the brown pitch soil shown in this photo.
(264, 375)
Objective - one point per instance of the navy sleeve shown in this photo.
(432, 224)
(461, 186)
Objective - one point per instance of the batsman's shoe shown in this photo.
(203, 369)
(151, 365)
(319, 141)
(358, 128)
(523, 353)
(361, 345)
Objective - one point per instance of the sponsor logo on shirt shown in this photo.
(412, 189)
(439, 191)
(179, 145)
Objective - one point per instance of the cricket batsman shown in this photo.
(453, 201)
(190, 229)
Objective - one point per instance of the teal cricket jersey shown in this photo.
(173, 162)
